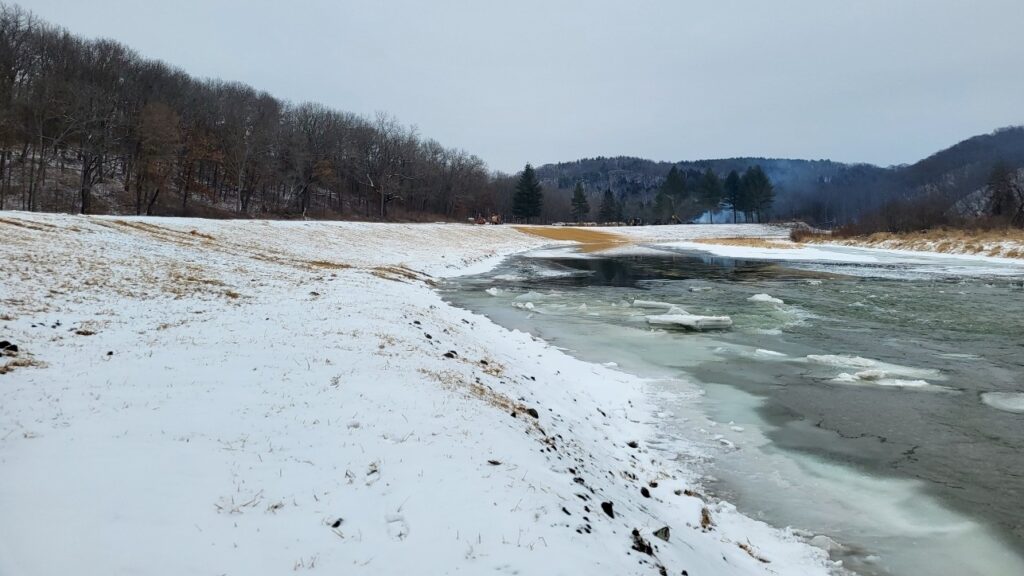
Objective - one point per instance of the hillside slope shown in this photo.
(251, 397)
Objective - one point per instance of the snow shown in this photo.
(250, 397)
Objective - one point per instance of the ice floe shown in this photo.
(872, 369)
(765, 298)
(690, 321)
(1006, 401)
(651, 304)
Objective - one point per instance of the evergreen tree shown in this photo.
(529, 196)
(757, 193)
(733, 190)
(610, 211)
(664, 206)
(674, 184)
(710, 192)
(1000, 184)
(580, 206)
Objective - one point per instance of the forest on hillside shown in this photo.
(822, 192)
(90, 126)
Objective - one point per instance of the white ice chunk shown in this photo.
(691, 321)
(493, 291)
(842, 360)
(652, 304)
(870, 374)
(1008, 401)
(869, 367)
(765, 298)
(874, 380)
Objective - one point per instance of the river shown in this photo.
(874, 406)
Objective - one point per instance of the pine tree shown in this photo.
(529, 196)
(664, 206)
(674, 184)
(756, 192)
(609, 210)
(1000, 184)
(733, 190)
(710, 192)
(580, 206)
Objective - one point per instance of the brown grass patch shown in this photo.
(10, 365)
(401, 274)
(808, 235)
(38, 227)
(750, 242)
(705, 519)
(750, 550)
(590, 240)
(324, 264)
(997, 242)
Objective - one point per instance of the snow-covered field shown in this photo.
(246, 397)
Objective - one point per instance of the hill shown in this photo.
(820, 191)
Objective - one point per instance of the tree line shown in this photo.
(681, 197)
(998, 203)
(90, 126)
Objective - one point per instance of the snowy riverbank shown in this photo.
(196, 396)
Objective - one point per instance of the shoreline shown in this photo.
(273, 401)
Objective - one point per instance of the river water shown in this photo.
(876, 407)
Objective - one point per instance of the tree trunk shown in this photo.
(184, 189)
(3, 181)
(86, 187)
(149, 206)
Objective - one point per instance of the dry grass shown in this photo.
(1002, 243)
(400, 274)
(590, 240)
(37, 226)
(10, 365)
(746, 547)
(749, 242)
(324, 264)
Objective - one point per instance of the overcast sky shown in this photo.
(881, 81)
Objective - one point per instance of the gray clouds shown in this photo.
(872, 80)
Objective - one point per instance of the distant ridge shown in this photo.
(820, 191)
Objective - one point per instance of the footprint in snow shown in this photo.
(398, 529)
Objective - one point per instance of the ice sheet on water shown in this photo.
(1006, 401)
(869, 367)
(877, 378)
